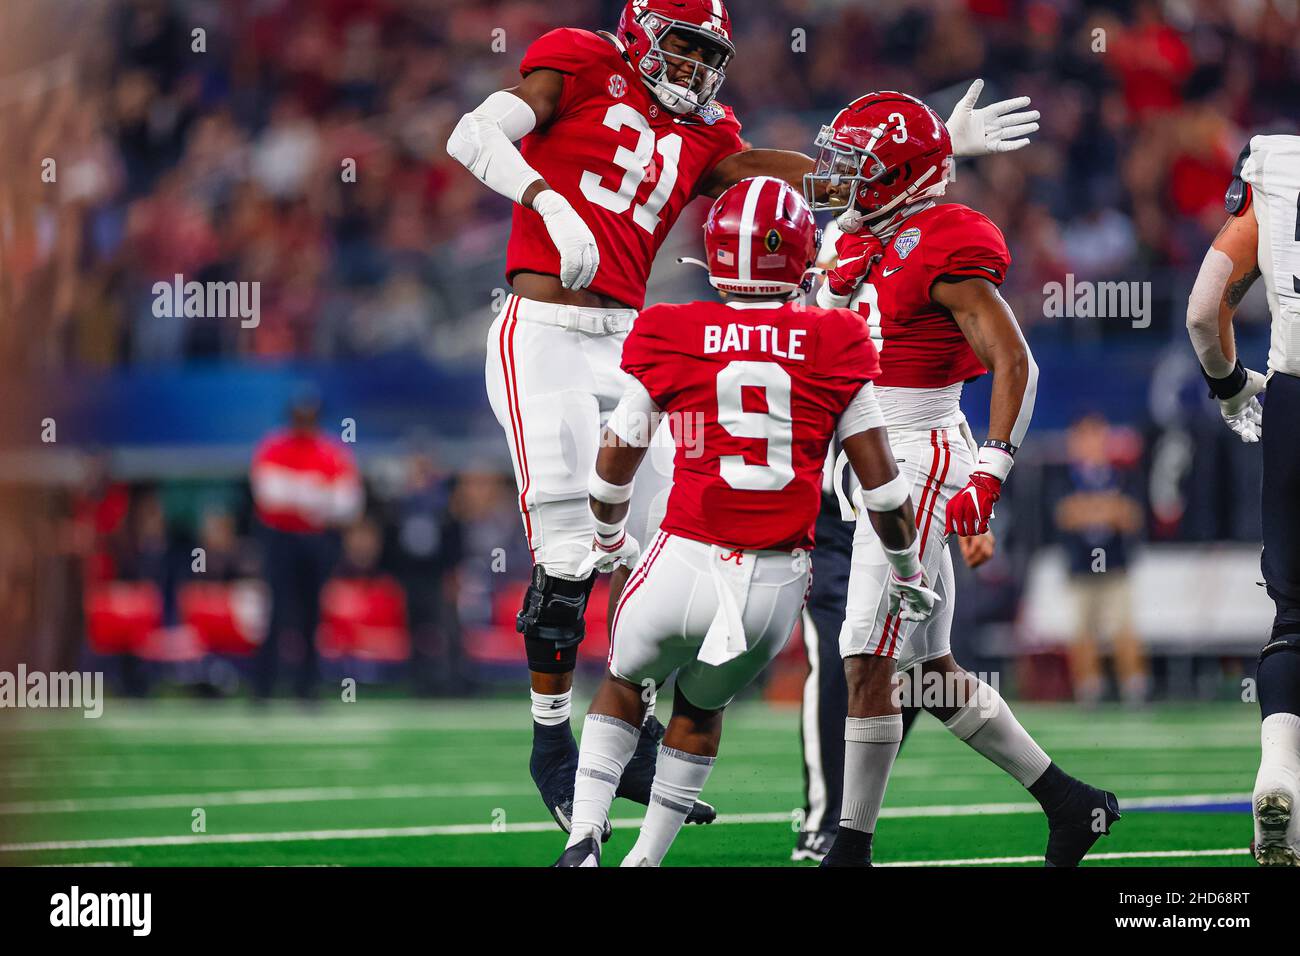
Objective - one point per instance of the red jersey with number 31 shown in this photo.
(753, 396)
(626, 164)
(920, 343)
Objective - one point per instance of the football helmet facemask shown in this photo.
(681, 48)
(883, 152)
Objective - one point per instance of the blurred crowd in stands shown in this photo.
(301, 144)
(228, 154)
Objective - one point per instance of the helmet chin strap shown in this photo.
(676, 99)
(887, 226)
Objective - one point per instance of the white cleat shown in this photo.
(1273, 811)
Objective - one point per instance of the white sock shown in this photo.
(679, 779)
(1279, 763)
(986, 723)
(870, 746)
(607, 745)
(552, 709)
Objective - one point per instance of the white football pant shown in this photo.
(553, 377)
(672, 613)
(938, 462)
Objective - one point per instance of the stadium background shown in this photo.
(228, 164)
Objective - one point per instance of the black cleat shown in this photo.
(812, 845)
(584, 853)
(849, 848)
(563, 814)
(639, 774)
(702, 813)
(1082, 818)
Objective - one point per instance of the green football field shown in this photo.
(446, 784)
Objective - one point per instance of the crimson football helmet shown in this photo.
(882, 151)
(703, 24)
(760, 239)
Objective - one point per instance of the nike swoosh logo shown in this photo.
(845, 262)
(974, 496)
(889, 272)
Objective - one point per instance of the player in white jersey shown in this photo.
(1262, 238)
(926, 276)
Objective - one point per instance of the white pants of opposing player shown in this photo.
(553, 377)
(671, 600)
(938, 462)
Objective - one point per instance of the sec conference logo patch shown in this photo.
(617, 86)
(906, 242)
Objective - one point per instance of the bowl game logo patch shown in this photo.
(772, 240)
(906, 242)
(710, 114)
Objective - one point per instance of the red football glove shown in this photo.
(854, 251)
(968, 511)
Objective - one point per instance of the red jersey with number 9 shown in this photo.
(626, 164)
(753, 395)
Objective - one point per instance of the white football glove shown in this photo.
(911, 599)
(1243, 412)
(992, 129)
(604, 561)
(579, 257)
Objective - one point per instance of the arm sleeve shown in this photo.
(635, 417)
(1203, 313)
(484, 143)
(862, 414)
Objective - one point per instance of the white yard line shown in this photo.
(483, 829)
(256, 797)
(1092, 857)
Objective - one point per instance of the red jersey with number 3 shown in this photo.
(626, 164)
(753, 396)
(920, 343)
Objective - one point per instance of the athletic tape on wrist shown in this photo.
(611, 533)
(906, 563)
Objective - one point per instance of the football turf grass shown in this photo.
(420, 783)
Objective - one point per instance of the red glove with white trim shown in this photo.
(854, 253)
(969, 510)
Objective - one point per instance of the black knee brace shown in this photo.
(551, 621)
(1277, 678)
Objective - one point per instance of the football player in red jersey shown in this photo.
(926, 275)
(617, 133)
(767, 382)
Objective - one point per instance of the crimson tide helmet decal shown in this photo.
(760, 238)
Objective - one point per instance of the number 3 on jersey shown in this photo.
(634, 163)
(775, 425)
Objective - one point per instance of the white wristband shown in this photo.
(995, 462)
(606, 492)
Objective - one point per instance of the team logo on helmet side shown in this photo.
(906, 242)
(617, 86)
